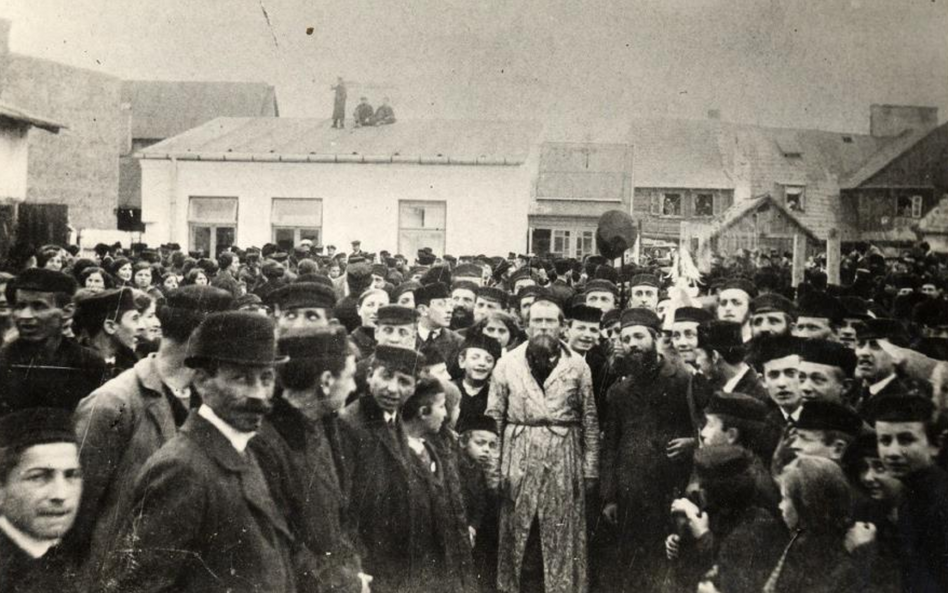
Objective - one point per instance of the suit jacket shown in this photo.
(751, 384)
(59, 380)
(448, 343)
(21, 573)
(120, 425)
(302, 462)
(203, 520)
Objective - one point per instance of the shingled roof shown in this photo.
(162, 109)
(471, 142)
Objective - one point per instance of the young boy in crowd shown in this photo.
(478, 469)
(479, 354)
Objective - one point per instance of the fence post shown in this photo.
(799, 259)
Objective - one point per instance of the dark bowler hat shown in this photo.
(773, 303)
(193, 303)
(399, 359)
(482, 342)
(829, 353)
(773, 347)
(740, 283)
(641, 316)
(485, 423)
(36, 426)
(719, 335)
(303, 294)
(431, 292)
(396, 315)
(492, 293)
(236, 337)
(600, 286)
(585, 314)
(692, 314)
(319, 343)
(825, 415)
(43, 280)
(901, 408)
(737, 405)
(645, 280)
(721, 461)
(883, 329)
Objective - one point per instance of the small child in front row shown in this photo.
(479, 472)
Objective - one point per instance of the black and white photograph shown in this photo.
(530, 296)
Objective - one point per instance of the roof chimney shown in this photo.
(891, 120)
(714, 114)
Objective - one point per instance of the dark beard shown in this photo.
(637, 364)
(543, 353)
(461, 318)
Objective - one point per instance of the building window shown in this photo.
(910, 206)
(794, 197)
(585, 243)
(671, 205)
(295, 219)
(561, 243)
(420, 225)
(704, 205)
(212, 223)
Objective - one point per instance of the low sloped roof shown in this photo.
(12, 112)
(742, 208)
(162, 109)
(885, 154)
(315, 140)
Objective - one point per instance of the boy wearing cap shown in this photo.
(720, 357)
(300, 451)
(477, 469)
(302, 304)
(205, 481)
(601, 294)
(110, 323)
(825, 429)
(643, 291)
(779, 359)
(41, 367)
(434, 307)
(478, 356)
(908, 443)
(40, 487)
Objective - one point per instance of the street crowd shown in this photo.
(305, 420)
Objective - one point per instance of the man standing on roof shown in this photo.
(339, 106)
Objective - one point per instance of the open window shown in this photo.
(795, 198)
(909, 206)
(671, 205)
(212, 222)
(704, 205)
(295, 219)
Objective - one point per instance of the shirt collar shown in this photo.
(875, 388)
(424, 333)
(35, 548)
(795, 416)
(390, 416)
(731, 385)
(237, 438)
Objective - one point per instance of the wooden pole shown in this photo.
(833, 256)
(799, 259)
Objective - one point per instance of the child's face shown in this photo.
(477, 364)
(481, 446)
(435, 417)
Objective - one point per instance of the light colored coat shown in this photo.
(550, 443)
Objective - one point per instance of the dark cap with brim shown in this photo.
(826, 415)
(396, 315)
(719, 335)
(645, 280)
(485, 423)
(482, 342)
(585, 314)
(883, 329)
(320, 343)
(234, 337)
(692, 314)
(769, 348)
(398, 359)
(303, 295)
(905, 407)
(641, 316)
(739, 283)
(829, 353)
(492, 293)
(773, 303)
(431, 292)
(737, 405)
(36, 426)
(721, 461)
(600, 286)
(43, 280)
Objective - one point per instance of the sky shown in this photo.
(787, 63)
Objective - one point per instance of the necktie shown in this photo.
(771, 585)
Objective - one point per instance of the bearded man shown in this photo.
(647, 448)
(541, 396)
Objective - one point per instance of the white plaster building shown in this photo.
(456, 186)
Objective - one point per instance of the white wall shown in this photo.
(486, 205)
(14, 154)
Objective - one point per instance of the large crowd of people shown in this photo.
(314, 421)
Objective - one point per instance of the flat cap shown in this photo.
(773, 303)
(440, 274)
(826, 415)
(901, 408)
(36, 426)
(737, 405)
(426, 259)
(641, 316)
(692, 314)
(486, 343)
(431, 292)
(235, 337)
(522, 274)
(95, 308)
(379, 270)
(303, 294)
(739, 283)
(399, 359)
(719, 335)
(492, 293)
(485, 423)
(611, 316)
(585, 314)
(774, 347)
(193, 303)
(531, 291)
(721, 461)
(821, 305)
(404, 287)
(645, 280)
(464, 285)
(829, 353)
(43, 280)
(883, 329)
(600, 286)
(469, 271)
(319, 343)
(396, 315)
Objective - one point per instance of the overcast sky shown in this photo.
(795, 63)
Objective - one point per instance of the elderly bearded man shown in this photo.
(541, 396)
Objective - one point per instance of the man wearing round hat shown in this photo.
(826, 371)
(302, 304)
(128, 419)
(825, 429)
(819, 317)
(110, 323)
(434, 306)
(40, 488)
(488, 299)
(684, 332)
(772, 315)
(646, 453)
(204, 517)
(601, 294)
(300, 451)
(734, 300)
(41, 367)
(720, 356)
(875, 366)
(542, 399)
(643, 291)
